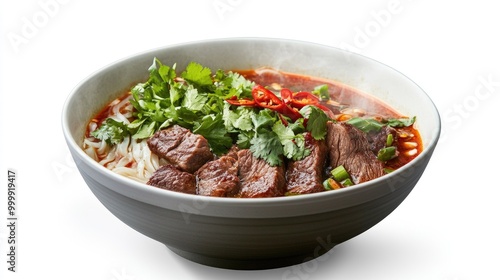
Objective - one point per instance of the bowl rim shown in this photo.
(133, 188)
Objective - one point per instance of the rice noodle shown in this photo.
(132, 157)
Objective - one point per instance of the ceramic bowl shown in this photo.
(251, 233)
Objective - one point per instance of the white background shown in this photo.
(447, 229)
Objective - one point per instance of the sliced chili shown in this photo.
(286, 95)
(302, 98)
(241, 102)
(266, 98)
(288, 105)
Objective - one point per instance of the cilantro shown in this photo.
(293, 145)
(239, 119)
(145, 131)
(301, 151)
(263, 120)
(267, 146)
(212, 128)
(232, 84)
(244, 138)
(284, 133)
(111, 131)
(193, 100)
(197, 74)
(316, 121)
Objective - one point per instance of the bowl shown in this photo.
(255, 233)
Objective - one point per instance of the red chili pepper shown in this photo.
(302, 98)
(267, 99)
(241, 102)
(292, 113)
(286, 95)
(288, 105)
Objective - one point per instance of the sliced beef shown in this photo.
(378, 139)
(219, 177)
(181, 148)
(258, 178)
(305, 175)
(170, 178)
(349, 146)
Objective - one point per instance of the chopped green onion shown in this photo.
(347, 182)
(330, 184)
(388, 170)
(386, 153)
(339, 173)
(402, 122)
(389, 140)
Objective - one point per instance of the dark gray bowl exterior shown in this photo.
(232, 233)
(250, 243)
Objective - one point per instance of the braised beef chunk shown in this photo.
(181, 148)
(233, 152)
(258, 178)
(170, 178)
(349, 146)
(305, 175)
(378, 139)
(219, 177)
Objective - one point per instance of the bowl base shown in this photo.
(243, 264)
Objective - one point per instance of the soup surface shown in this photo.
(249, 133)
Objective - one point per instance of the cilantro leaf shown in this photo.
(301, 152)
(293, 145)
(283, 132)
(111, 131)
(316, 121)
(239, 119)
(232, 84)
(197, 74)
(213, 129)
(244, 138)
(267, 146)
(145, 131)
(263, 120)
(193, 100)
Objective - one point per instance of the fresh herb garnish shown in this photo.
(401, 122)
(387, 153)
(368, 125)
(198, 100)
(111, 131)
(316, 121)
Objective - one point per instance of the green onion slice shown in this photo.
(340, 173)
(347, 182)
(386, 153)
(390, 140)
